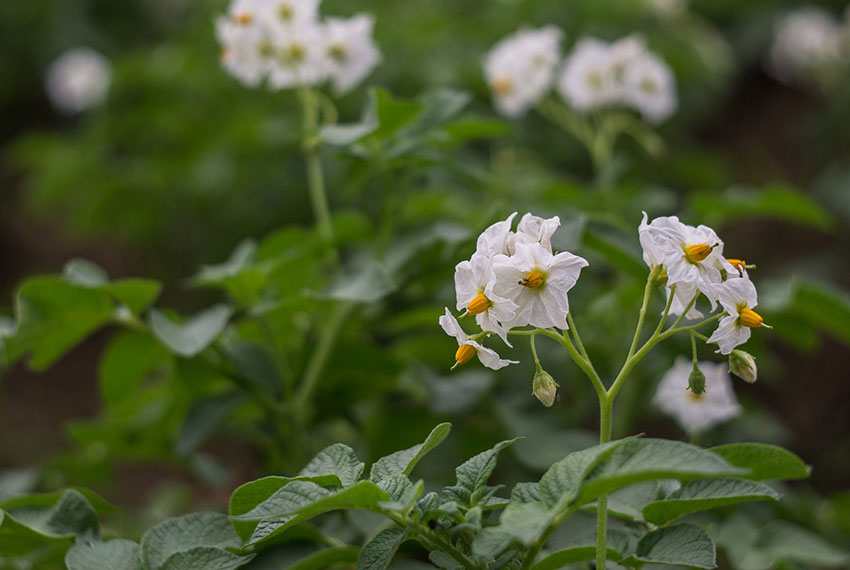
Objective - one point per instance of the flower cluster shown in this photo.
(78, 80)
(521, 69)
(513, 279)
(693, 262)
(286, 44)
(808, 44)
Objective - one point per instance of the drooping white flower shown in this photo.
(589, 79)
(299, 57)
(350, 52)
(519, 69)
(805, 41)
(738, 297)
(648, 86)
(697, 412)
(537, 282)
(468, 348)
(78, 80)
(474, 282)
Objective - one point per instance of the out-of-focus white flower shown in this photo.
(468, 348)
(246, 47)
(299, 57)
(589, 79)
(805, 41)
(78, 80)
(520, 68)
(289, 14)
(738, 296)
(697, 412)
(537, 282)
(350, 52)
(474, 282)
(668, 7)
(649, 87)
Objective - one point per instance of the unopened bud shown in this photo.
(660, 278)
(743, 365)
(696, 381)
(545, 387)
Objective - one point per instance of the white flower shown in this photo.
(519, 69)
(537, 282)
(468, 348)
(649, 87)
(494, 240)
(245, 47)
(697, 412)
(474, 281)
(299, 57)
(738, 296)
(78, 80)
(534, 229)
(589, 78)
(289, 14)
(804, 41)
(350, 51)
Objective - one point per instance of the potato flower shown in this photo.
(467, 348)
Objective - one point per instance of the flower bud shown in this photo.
(696, 381)
(545, 387)
(743, 365)
(660, 278)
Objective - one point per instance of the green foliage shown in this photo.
(682, 544)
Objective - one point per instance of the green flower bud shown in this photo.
(743, 365)
(545, 387)
(660, 280)
(696, 381)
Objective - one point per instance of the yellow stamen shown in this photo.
(243, 19)
(501, 85)
(533, 280)
(695, 396)
(697, 252)
(750, 318)
(738, 264)
(464, 354)
(478, 305)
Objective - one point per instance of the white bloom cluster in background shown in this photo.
(78, 80)
(808, 43)
(522, 68)
(697, 412)
(693, 262)
(513, 279)
(286, 44)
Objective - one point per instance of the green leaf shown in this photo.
(116, 554)
(255, 363)
(825, 306)
(682, 544)
(378, 553)
(136, 294)
(204, 418)
(195, 334)
(444, 561)
(182, 534)
(628, 502)
(562, 481)
(308, 557)
(367, 284)
(204, 558)
(53, 316)
(779, 202)
(54, 515)
(526, 493)
(307, 499)
(132, 360)
(763, 460)
(404, 461)
(337, 459)
(475, 471)
(84, 273)
(786, 541)
(562, 558)
(638, 460)
(706, 494)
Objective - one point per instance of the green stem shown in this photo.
(647, 290)
(532, 338)
(430, 540)
(315, 179)
(577, 338)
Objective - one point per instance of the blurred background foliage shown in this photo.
(183, 167)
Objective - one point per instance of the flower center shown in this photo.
(464, 353)
(337, 53)
(501, 85)
(285, 12)
(697, 252)
(738, 264)
(479, 304)
(533, 280)
(750, 318)
(243, 19)
(293, 55)
(695, 396)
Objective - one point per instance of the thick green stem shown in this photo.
(315, 179)
(431, 540)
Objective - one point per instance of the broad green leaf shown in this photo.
(205, 416)
(53, 316)
(764, 461)
(308, 499)
(242, 257)
(706, 494)
(378, 553)
(255, 363)
(474, 472)
(55, 515)
(204, 558)
(825, 306)
(84, 273)
(336, 459)
(526, 493)
(638, 460)
(562, 558)
(524, 522)
(444, 561)
(682, 544)
(786, 541)
(132, 360)
(191, 337)
(563, 479)
(365, 284)
(779, 202)
(304, 557)
(116, 554)
(135, 294)
(181, 534)
(404, 461)
(628, 502)
(403, 494)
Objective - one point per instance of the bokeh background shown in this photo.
(182, 163)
